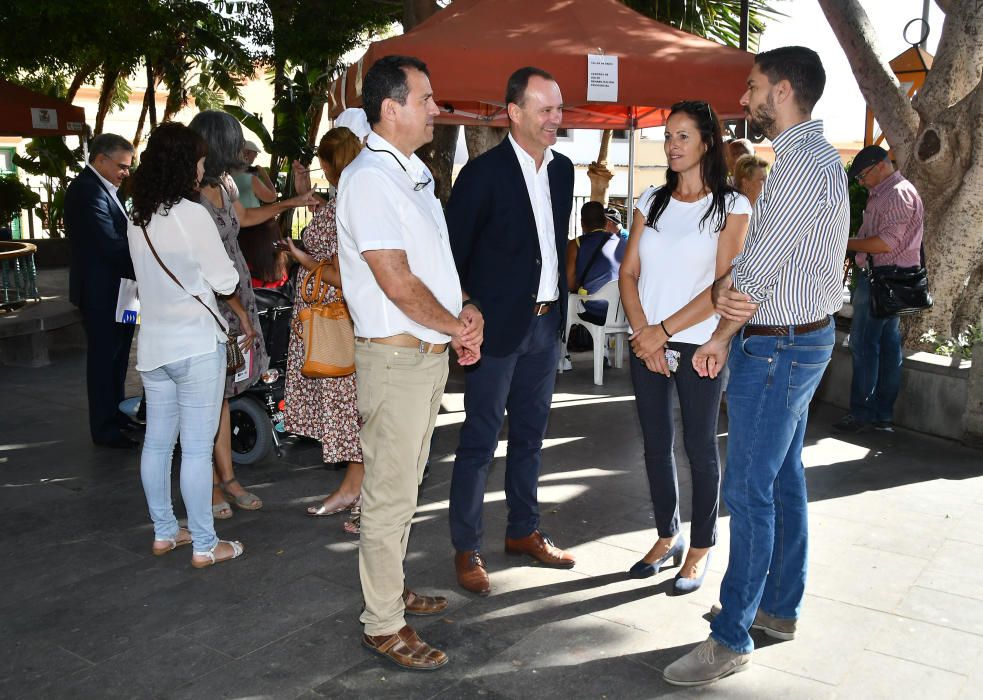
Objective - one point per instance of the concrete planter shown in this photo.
(940, 396)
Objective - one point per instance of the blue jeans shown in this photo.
(772, 380)
(876, 347)
(185, 398)
(522, 383)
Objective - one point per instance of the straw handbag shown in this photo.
(326, 330)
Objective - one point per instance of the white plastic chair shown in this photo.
(615, 324)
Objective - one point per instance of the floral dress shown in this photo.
(323, 408)
(228, 227)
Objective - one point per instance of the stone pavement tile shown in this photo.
(876, 676)
(599, 558)
(956, 569)
(930, 645)
(59, 564)
(468, 646)
(971, 690)
(250, 624)
(828, 633)
(148, 668)
(28, 663)
(470, 690)
(289, 666)
(754, 684)
(969, 527)
(865, 577)
(945, 609)
(585, 656)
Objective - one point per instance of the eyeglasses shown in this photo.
(865, 172)
(417, 186)
(122, 167)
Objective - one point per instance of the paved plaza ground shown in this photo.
(894, 605)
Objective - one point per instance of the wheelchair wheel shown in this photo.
(252, 431)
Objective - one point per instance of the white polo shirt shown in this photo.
(538, 186)
(380, 209)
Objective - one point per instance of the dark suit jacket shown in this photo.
(97, 233)
(495, 244)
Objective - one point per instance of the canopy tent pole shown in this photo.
(631, 167)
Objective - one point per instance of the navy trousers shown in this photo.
(107, 358)
(522, 384)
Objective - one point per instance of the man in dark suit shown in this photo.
(96, 224)
(508, 216)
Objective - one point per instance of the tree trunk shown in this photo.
(149, 107)
(598, 172)
(79, 80)
(937, 141)
(439, 157)
(483, 138)
(106, 93)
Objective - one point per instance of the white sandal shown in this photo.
(237, 550)
(172, 543)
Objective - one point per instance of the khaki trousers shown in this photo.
(399, 392)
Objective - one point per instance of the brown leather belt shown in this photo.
(786, 330)
(543, 307)
(405, 340)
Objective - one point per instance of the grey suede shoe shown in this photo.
(706, 664)
(774, 627)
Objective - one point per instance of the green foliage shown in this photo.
(50, 158)
(959, 346)
(15, 196)
(718, 20)
(253, 123)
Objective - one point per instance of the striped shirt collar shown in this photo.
(793, 136)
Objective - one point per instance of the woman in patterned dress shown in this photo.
(219, 196)
(325, 408)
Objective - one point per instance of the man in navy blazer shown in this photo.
(508, 216)
(96, 224)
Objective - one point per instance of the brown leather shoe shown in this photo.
(541, 548)
(471, 572)
(423, 604)
(407, 650)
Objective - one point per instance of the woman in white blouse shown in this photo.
(181, 353)
(683, 236)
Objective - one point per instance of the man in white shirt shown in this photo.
(403, 291)
(95, 221)
(508, 217)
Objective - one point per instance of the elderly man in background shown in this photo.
(891, 234)
(95, 221)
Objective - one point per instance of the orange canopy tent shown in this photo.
(24, 112)
(472, 46)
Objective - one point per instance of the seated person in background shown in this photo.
(749, 176)
(594, 259)
(614, 222)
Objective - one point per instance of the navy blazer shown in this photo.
(495, 243)
(96, 230)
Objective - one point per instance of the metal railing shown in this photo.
(18, 275)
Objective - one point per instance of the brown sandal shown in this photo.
(406, 650)
(423, 604)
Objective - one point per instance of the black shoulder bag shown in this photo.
(898, 291)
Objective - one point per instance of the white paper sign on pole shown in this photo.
(602, 78)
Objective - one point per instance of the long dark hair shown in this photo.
(713, 167)
(168, 171)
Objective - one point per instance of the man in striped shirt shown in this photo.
(787, 283)
(891, 234)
